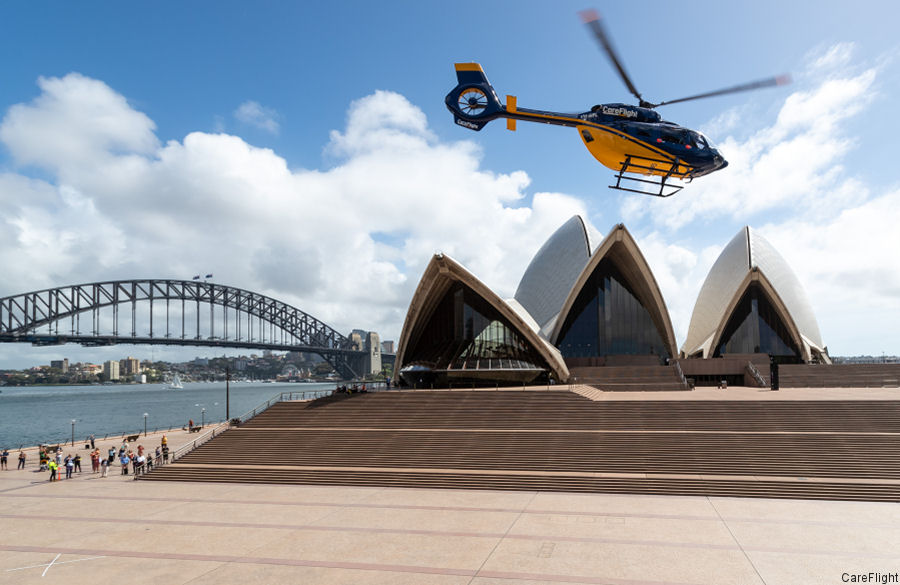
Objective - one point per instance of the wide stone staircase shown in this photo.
(637, 378)
(560, 441)
(839, 375)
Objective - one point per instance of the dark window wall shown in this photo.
(608, 319)
(755, 327)
(466, 332)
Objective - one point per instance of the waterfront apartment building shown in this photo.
(111, 370)
(61, 365)
(129, 366)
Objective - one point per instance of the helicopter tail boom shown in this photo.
(473, 101)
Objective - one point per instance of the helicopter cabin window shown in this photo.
(670, 139)
(700, 141)
(641, 132)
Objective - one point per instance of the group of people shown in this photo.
(56, 464)
(140, 461)
(4, 457)
(354, 389)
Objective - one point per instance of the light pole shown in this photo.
(227, 393)
(73, 432)
(202, 417)
(145, 424)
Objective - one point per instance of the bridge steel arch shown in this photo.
(55, 316)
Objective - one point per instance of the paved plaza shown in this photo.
(116, 530)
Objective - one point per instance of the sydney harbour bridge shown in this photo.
(173, 312)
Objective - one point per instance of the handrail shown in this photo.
(680, 373)
(97, 438)
(224, 426)
(751, 367)
(243, 418)
(280, 398)
(188, 447)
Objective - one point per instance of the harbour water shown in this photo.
(31, 415)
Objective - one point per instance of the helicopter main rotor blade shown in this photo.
(592, 18)
(771, 81)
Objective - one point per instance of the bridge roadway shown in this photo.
(89, 530)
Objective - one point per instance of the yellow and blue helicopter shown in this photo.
(634, 141)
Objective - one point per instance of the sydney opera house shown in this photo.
(586, 309)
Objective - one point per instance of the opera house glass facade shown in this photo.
(755, 327)
(466, 338)
(608, 319)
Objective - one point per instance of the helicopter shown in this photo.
(634, 141)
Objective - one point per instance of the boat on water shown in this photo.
(175, 383)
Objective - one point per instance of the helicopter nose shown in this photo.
(720, 161)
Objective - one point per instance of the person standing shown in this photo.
(53, 467)
(124, 460)
(104, 468)
(76, 461)
(111, 455)
(21, 460)
(70, 465)
(4, 455)
(92, 441)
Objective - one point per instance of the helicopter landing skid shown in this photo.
(640, 166)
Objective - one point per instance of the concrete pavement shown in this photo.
(116, 530)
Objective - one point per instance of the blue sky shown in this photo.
(133, 135)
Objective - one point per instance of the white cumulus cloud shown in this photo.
(346, 244)
(258, 116)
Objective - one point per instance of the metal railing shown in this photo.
(224, 426)
(680, 372)
(205, 437)
(755, 373)
(282, 397)
(98, 438)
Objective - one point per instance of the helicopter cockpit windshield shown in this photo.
(700, 141)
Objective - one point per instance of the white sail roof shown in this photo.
(553, 270)
(746, 253)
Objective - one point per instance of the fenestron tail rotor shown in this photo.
(472, 101)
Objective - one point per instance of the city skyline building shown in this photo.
(61, 365)
(111, 370)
